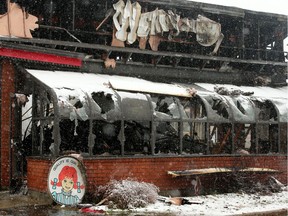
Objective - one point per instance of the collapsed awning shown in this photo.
(113, 97)
(242, 108)
(84, 95)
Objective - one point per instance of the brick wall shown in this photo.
(7, 86)
(153, 170)
(37, 174)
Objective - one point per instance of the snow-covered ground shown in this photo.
(225, 204)
(221, 204)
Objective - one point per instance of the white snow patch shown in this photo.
(223, 204)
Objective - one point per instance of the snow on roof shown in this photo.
(259, 91)
(93, 82)
(136, 84)
(83, 83)
(277, 95)
(71, 80)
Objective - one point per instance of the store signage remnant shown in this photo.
(66, 181)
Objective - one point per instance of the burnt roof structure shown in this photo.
(251, 51)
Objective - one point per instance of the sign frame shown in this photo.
(66, 181)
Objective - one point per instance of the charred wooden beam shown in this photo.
(163, 73)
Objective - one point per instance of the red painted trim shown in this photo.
(42, 57)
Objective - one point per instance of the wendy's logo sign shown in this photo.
(66, 181)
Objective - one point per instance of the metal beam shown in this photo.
(149, 71)
(138, 51)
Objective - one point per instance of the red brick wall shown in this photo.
(153, 170)
(7, 86)
(37, 174)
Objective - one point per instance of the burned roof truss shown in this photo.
(252, 47)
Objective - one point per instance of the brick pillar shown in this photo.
(7, 86)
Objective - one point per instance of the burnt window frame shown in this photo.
(207, 120)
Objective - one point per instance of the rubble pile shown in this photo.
(250, 185)
(127, 194)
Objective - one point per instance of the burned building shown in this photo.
(141, 86)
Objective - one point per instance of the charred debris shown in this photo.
(181, 40)
(168, 41)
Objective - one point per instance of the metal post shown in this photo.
(208, 137)
(279, 137)
(258, 40)
(122, 132)
(73, 15)
(152, 126)
(33, 126)
(180, 125)
(56, 127)
(41, 115)
(233, 137)
(256, 137)
(91, 138)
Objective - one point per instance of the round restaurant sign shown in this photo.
(66, 181)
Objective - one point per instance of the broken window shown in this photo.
(221, 136)
(267, 128)
(105, 137)
(167, 116)
(42, 122)
(74, 137)
(109, 122)
(194, 126)
(137, 115)
(137, 138)
(244, 139)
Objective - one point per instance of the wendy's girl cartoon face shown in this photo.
(67, 184)
(66, 181)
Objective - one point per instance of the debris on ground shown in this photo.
(249, 185)
(98, 210)
(177, 201)
(127, 194)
